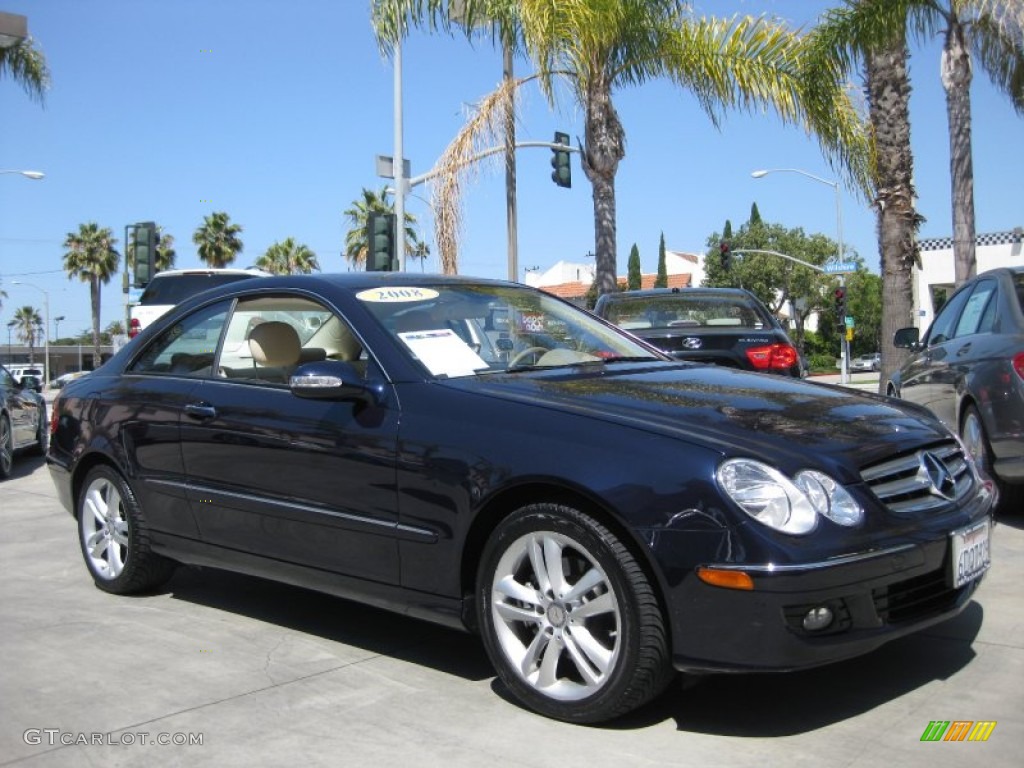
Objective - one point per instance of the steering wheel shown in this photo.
(520, 356)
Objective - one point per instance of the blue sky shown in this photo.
(274, 112)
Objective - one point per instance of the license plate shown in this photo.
(970, 550)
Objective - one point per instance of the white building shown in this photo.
(936, 274)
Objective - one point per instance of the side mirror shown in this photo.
(333, 380)
(906, 338)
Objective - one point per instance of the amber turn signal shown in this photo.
(728, 579)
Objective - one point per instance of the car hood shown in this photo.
(779, 420)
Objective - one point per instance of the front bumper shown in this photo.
(874, 598)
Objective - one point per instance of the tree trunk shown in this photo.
(888, 100)
(94, 296)
(605, 148)
(956, 79)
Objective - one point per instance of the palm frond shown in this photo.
(999, 49)
(27, 65)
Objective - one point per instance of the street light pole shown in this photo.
(46, 331)
(844, 355)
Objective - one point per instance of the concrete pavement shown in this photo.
(265, 674)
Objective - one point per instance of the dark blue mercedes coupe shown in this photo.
(487, 456)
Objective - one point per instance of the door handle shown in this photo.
(201, 411)
(964, 349)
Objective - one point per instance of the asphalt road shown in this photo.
(265, 675)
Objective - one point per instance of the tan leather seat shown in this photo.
(275, 345)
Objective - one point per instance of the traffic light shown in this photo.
(840, 295)
(144, 242)
(380, 243)
(562, 175)
(726, 251)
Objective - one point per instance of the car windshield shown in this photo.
(673, 310)
(470, 329)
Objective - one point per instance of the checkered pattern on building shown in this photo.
(992, 238)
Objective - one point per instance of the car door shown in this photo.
(23, 409)
(303, 481)
(928, 377)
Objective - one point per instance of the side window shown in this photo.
(186, 348)
(268, 337)
(945, 323)
(977, 309)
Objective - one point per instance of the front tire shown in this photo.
(569, 619)
(114, 537)
(975, 439)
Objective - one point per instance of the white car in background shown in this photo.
(173, 286)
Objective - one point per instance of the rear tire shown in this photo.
(114, 537)
(569, 618)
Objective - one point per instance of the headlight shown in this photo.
(790, 506)
(829, 498)
(767, 495)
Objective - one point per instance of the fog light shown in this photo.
(817, 618)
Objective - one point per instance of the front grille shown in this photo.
(913, 483)
(914, 598)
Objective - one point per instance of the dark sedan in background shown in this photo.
(968, 369)
(23, 426)
(484, 455)
(724, 326)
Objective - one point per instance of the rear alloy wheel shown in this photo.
(569, 618)
(6, 447)
(114, 537)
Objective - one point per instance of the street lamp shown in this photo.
(843, 351)
(46, 335)
(27, 174)
(56, 327)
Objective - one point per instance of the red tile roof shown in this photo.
(578, 290)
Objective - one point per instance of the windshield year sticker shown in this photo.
(397, 294)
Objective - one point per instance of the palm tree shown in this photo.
(164, 251)
(91, 257)
(288, 258)
(374, 202)
(217, 240)
(27, 65)
(600, 46)
(28, 324)
(992, 29)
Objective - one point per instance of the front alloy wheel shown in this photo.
(114, 537)
(570, 620)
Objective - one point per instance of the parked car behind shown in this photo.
(724, 326)
(173, 286)
(487, 456)
(969, 370)
(872, 362)
(23, 425)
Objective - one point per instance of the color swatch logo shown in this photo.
(958, 730)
